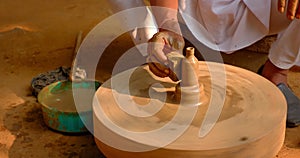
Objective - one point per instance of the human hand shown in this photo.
(161, 44)
(293, 8)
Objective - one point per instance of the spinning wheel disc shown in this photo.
(251, 123)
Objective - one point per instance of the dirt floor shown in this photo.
(38, 36)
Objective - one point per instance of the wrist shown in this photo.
(166, 18)
(170, 25)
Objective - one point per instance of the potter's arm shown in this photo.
(167, 40)
(119, 5)
(161, 15)
(140, 17)
(166, 18)
(146, 26)
(173, 4)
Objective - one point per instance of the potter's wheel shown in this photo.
(251, 123)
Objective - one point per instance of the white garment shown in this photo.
(230, 25)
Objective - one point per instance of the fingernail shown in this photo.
(291, 17)
(281, 10)
(167, 71)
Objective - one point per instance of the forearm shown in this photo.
(119, 5)
(172, 4)
(165, 13)
(136, 18)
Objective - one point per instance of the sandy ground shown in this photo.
(38, 36)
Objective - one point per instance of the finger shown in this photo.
(160, 51)
(162, 68)
(281, 5)
(173, 76)
(156, 48)
(153, 59)
(298, 12)
(291, 9)
(156, 71)
(157, 65)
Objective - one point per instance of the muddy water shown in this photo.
(65, 101)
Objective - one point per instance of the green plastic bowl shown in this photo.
(58, 105)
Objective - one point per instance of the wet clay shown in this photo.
(190, 90)
(244, 127)
(189, 69)
(186, 68)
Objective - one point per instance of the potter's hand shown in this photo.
(160, 45)
(293, 8)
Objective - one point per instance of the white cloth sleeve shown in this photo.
(166, 19)
(138, 35)
(285, 51)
